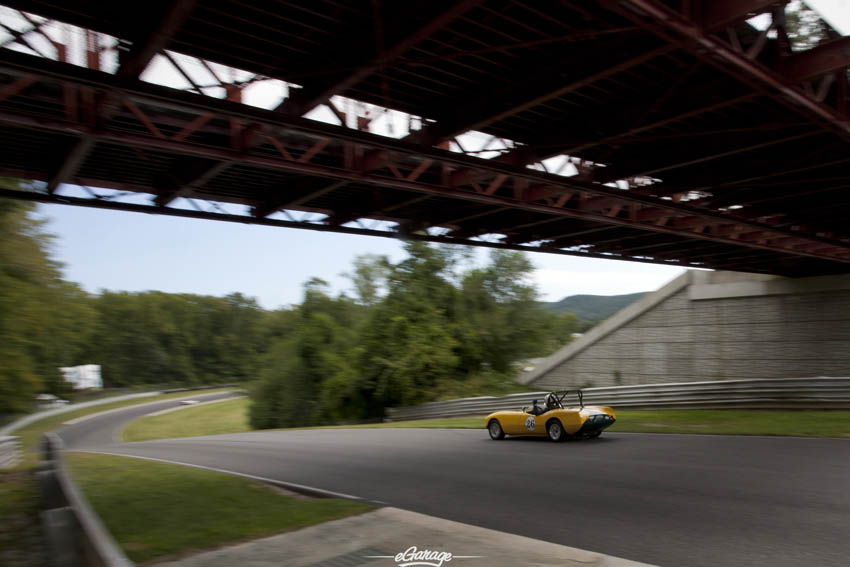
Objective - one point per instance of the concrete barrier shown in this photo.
(10, 451)
(791, 393)
(75, 535)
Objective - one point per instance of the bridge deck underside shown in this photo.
(734, 150)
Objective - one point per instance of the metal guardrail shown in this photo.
(75, 535)
(791, 393)
(10, 451)
(195, 388)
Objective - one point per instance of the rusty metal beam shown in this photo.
(312, 95)
(817, 61)
(319, 227)
(133, 62)
(299, 130)
(16, 87)
(561, 236)
(653, 169)
(532, 154)
(183, 187)
(71, 162)
(389, 182)
(661, 19)
(718, 14)
(131, 65)
(479, 115)
(272, 206)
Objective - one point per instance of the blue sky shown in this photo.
(134, 252)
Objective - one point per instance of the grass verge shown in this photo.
(31, 434)
(156, 510)
(231, 417)
(805, 423)
(21, 538)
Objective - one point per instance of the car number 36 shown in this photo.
(530, 423)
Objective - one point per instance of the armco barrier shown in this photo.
(195, 388)
(75, 535)
(10, 452)
(791, 393)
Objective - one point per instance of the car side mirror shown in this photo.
(525, 408)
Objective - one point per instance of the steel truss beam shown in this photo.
(527, 155)
(718, 14)
(652, 169)
(663, 20)
(136, 59)
(312, 95)
(242, 219)
(131, 64)
(817, 61)
(310, 148)
(481, 115)
(185, 182)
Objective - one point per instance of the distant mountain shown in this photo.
(592, 307)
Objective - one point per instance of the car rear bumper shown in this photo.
(595, 424)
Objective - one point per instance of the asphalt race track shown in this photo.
(672, 500)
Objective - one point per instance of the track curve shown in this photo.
(663, 499)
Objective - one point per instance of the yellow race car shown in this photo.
(552, 419)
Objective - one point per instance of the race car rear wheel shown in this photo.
(555, 430)
(495, 430)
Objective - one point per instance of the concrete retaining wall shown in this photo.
(714, 326)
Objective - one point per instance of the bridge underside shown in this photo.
(692, 137)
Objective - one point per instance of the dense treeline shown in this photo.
(419, 329)
(431, 325)
(156, 337)
(137, 338)
(41, 316)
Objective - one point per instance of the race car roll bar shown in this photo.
(564, 395)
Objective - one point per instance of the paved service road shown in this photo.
(674, 500)
(102, 429)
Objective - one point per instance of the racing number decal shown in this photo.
(530, 423)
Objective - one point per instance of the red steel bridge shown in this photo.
(687, 132)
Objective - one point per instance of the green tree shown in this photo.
(45, 322)
(369, 277)
(433, 327)
(806, 29)
(160, 338)
(291, 390)
(501, 321)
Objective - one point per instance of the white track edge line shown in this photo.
(282, 483)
